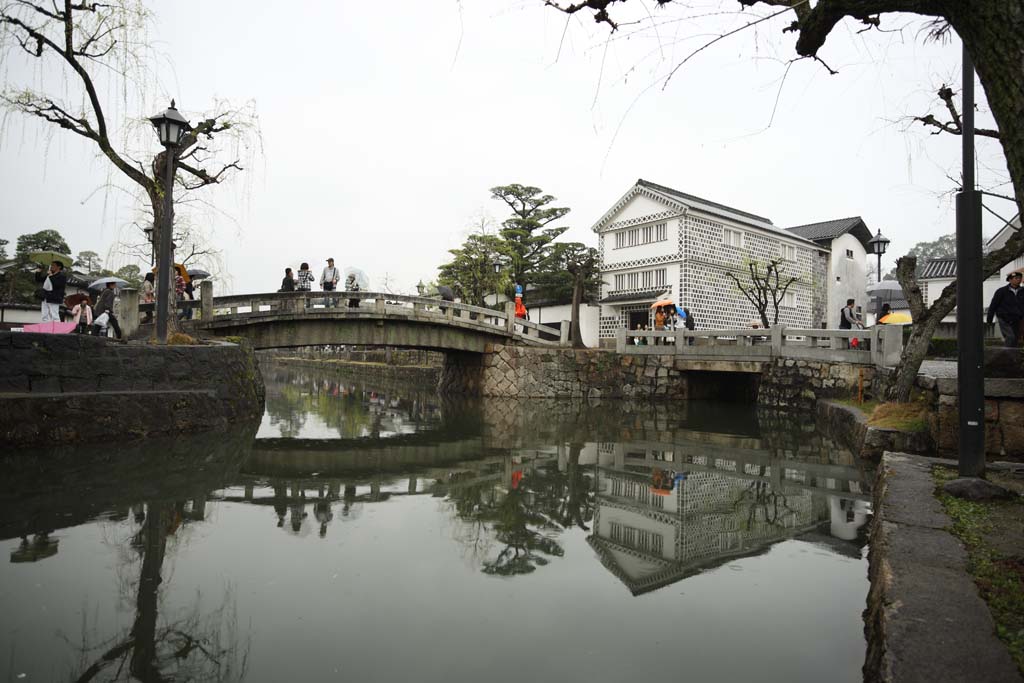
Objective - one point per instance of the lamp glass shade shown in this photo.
(878, 244)
(497, 267)
(170, 126)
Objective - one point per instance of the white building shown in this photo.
(657, 241)
(846, 242)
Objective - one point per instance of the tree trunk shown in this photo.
(925, 322)
(574, 326)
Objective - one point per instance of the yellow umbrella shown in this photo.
(663, 302)
(181, 270)
(896, 319)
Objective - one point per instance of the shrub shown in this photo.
(180, 339)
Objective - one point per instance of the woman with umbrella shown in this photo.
(81, 311)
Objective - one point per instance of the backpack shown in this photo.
(690, 323)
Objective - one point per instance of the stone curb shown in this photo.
(924, 620)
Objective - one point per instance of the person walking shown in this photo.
(54, 281)
(149, 295)
(352, 286)
(82, 315)
(189, 295)
(849, 320)
(304, 278)
(659, 323)
(288, 281)
(105, 304)
(1008, 307)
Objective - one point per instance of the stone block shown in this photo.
(947, 400)
(991, 410)
(44, 384)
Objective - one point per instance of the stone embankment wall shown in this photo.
(76, 388)
(525, 372)
(790, 383)
(1004, 415)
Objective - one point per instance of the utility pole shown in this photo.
(969, 305)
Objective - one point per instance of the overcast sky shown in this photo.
(383, 124)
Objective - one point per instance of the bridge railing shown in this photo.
(880, 345)
(375, 304)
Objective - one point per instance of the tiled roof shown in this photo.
(692, 198)
(827, 230)
(650, 295)
(938, 268)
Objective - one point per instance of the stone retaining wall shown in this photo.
(1004, 415)
(790, 383)
(76, 388)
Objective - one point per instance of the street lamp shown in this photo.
(171, 127)
(878, 245)
(497, 267)
(152, 245)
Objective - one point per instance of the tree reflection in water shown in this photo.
(524, 507)
(194, 646)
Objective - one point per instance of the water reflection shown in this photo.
(272, 558)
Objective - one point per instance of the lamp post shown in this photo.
(878, 245)
(969, 304)
(152, 245)
(170, 128)
(497, 266)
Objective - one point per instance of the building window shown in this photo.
(732, 238)
(789, 252)
(643, 235)
(849, 254)
(641, 279)
(789, 300)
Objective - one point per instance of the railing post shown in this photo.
(378, 306)
(680, 340)
(206, 300)
(778, 334)
(892, 345)
(510, 317)
(129, 312)
(563, 333)
(620, 340)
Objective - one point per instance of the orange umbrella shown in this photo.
(663, 302)
(181, 270)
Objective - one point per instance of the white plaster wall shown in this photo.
(18, 316)
(988, 289)
(852, 274)
(553, 315)
(638, 207)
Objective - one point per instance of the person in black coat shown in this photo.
(288, 281)
(1008, 306)
(53, 293)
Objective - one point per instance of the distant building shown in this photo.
(933, 276)
(656, 241)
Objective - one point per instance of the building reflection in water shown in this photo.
(666, 511)
(655, 512)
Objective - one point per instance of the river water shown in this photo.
(369, 531)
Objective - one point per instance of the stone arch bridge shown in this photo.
(292, 319)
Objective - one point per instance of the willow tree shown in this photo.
(992, 32)
(103, 48)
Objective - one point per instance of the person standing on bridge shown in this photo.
(329, 280)
(304, 279)
(288, 281)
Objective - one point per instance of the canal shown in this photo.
(366, 530)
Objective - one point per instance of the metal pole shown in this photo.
(163, 289)
(969, 331)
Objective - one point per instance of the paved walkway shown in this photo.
(925, 619)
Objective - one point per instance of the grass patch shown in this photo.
(906, 417)
(180, 339)
(867, 407)
(998, 574)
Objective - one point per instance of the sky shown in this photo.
(378, 129)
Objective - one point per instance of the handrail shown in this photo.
(881, 346)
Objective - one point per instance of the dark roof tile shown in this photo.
(693, 198)
(938, 268)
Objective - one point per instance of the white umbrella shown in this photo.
(102, 282)
(362, 279)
